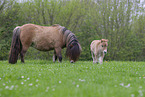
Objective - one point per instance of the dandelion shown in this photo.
(22, 76)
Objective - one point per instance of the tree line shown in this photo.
(120, 21)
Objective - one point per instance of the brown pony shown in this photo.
(44, 38)
(99, 49)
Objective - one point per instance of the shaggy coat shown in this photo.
(98, 50)
(44, 38)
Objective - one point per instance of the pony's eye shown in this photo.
(102, 45)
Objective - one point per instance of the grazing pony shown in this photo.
(44, 38)
(99, 49)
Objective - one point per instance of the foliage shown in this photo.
(119, 21)
(44, 78)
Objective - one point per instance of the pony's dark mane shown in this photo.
(72, 44)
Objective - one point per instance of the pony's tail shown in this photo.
(73, 51)
(15, 46)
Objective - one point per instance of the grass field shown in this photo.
(42, 78)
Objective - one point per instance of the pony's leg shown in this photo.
(22, 53)
(54, 56)
(96, 59)
(58, 53)
(93, 57)
(101, 60)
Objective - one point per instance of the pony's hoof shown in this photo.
(71, 61)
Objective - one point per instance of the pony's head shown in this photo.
(73, 50)
(103, 45)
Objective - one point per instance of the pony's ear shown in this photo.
(107, 40)
(104, 40)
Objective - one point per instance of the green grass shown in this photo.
(42, 78)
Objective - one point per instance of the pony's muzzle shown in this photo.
(105, 52)
(72, 61)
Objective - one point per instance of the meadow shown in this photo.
(43, 78)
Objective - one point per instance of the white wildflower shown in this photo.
(30, 84)
(122, 84)
(11, 87)
(127, 86)
(36, 85)
(22, 83)
(6, 87)
(53, 89)
(22, 76)
(59, 81)
(77, 86)
(37, 80)
(132, 95)
(140, 93)
(73, 83)
(28, 78)
(47, 88)
(82, 80)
